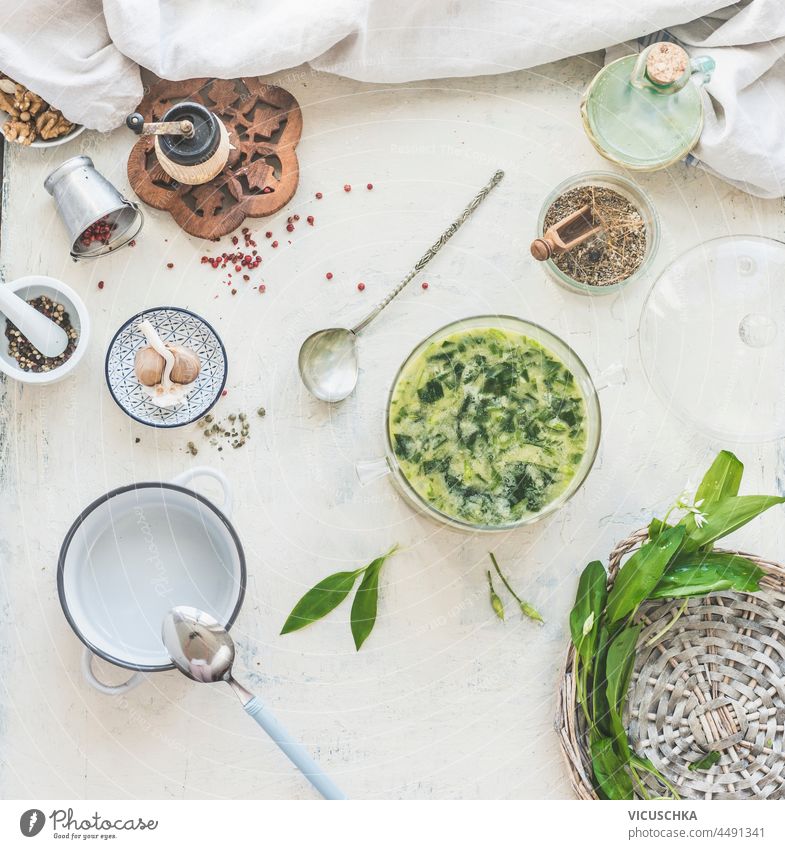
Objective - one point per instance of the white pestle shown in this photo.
(49, 338)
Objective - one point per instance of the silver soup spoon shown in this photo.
(202, 649)
(328, 358)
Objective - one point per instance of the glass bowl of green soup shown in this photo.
(492, 422)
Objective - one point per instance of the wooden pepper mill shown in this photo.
(191, 143)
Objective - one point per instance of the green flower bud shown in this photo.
(531, 612)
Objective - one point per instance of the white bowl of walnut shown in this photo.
(30, 121)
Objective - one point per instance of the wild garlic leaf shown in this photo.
(365, 604)
(698, 573)
(320, 600)
(642, 572)
(618, 672)
(610, 769)
(722, 480)
(589, 603)
(727, 515)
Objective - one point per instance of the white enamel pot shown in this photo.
(135, 553)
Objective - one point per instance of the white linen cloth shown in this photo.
(83, 54)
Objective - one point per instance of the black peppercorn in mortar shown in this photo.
(26, 355)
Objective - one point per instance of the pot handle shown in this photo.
(208, 472)
(368, 471)
(107, 689)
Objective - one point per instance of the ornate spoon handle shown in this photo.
(434, 249)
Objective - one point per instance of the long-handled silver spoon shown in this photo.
(202, 649)
(328, 358)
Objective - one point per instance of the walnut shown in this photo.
(26, 101)
(7, 105)
(30, 116)
(22, 132)
(51, 124)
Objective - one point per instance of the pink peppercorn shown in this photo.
(268, 234)
(310, 220)
(369, 186)
(425, 284)
(347, 188)
(100, 284)
(329, 275)
(170, 265)
(361, 286)
(319, 196)
(274, 244)
(289, 228)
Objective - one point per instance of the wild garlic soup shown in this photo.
(488, 427)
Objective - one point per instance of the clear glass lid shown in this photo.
(712, 338)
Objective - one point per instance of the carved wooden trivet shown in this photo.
(264, 124)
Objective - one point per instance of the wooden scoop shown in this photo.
(566, 234)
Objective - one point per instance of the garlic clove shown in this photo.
(187, 364)
(149, 366)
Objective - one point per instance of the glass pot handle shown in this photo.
(614, 375)
(368, 471)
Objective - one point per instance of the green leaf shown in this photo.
(705, 763)
(641, 573)
(600, 711)
(700, 573)
(365, 603)
(610, 769)
(656, 527)
(727, 515)
(589, 603)
(722, 480)
(618, 672)
(320, 600)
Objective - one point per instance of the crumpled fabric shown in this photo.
(84, 55)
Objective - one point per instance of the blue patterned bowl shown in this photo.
(172, 325)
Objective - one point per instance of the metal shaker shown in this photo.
(85, 198)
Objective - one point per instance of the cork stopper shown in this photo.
(666, 63)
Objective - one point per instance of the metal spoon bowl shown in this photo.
(201, 648)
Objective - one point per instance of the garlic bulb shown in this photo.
(149, 365)
(165, 370)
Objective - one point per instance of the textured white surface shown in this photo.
(443, 701)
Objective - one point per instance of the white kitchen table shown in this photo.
(444, 700)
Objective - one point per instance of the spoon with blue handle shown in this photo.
(202, 649)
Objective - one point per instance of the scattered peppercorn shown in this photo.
(361, 286)
(347, 188)
(319, 196)
(261, 412)
(262, 288)
(329, 275)
(274, 244)
(425, 284)
(100, 284)
(192, 449)
(290, 228)
(132, 243)
(369, 186)
(170, 265)
(269, 234)
(310, 220)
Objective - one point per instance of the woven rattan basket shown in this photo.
(714, 682)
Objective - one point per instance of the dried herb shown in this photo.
(612, 255)
(232, 431)
(332, 590)
(675, 562)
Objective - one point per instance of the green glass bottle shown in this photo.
(645, 112)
